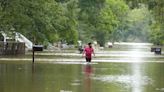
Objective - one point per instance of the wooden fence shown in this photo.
(12, 48)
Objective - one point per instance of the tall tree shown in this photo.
(40, 20)
(69, 22)
(100, 18)
(157, 10)
(138, 24)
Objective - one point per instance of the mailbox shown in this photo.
(153, 49)
(157, 51)
(37, 47)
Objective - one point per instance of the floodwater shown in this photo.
(128, 68)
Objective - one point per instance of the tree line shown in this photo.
(48, 21)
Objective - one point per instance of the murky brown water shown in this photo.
(131, 70)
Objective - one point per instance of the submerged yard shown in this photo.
(125, 68)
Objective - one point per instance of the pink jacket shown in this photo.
(88, 52)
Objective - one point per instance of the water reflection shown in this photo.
(137, 83)
(102, 77)
(87, 79)
(137, 74)
(131, 73)
(134, 79)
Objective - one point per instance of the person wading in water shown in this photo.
(88, 51)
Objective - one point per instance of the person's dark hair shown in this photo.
(89, 44)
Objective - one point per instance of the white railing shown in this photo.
(21, 38)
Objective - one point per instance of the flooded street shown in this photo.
(125, 68)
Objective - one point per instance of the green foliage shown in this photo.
(39, 20)
(119, 12)
(68, 23)
(100, 18)
(137, 25)
(44, 21)
(156, 11)
(156, 35)
(28, 17)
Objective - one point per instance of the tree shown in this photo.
(39, 20)
(32, 18)
(157, 8)
(68, 23)
(120, 11)
(88, 18)
(137, 25)
(100, 18)
(156, 35)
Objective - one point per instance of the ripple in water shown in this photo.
(129, 80)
